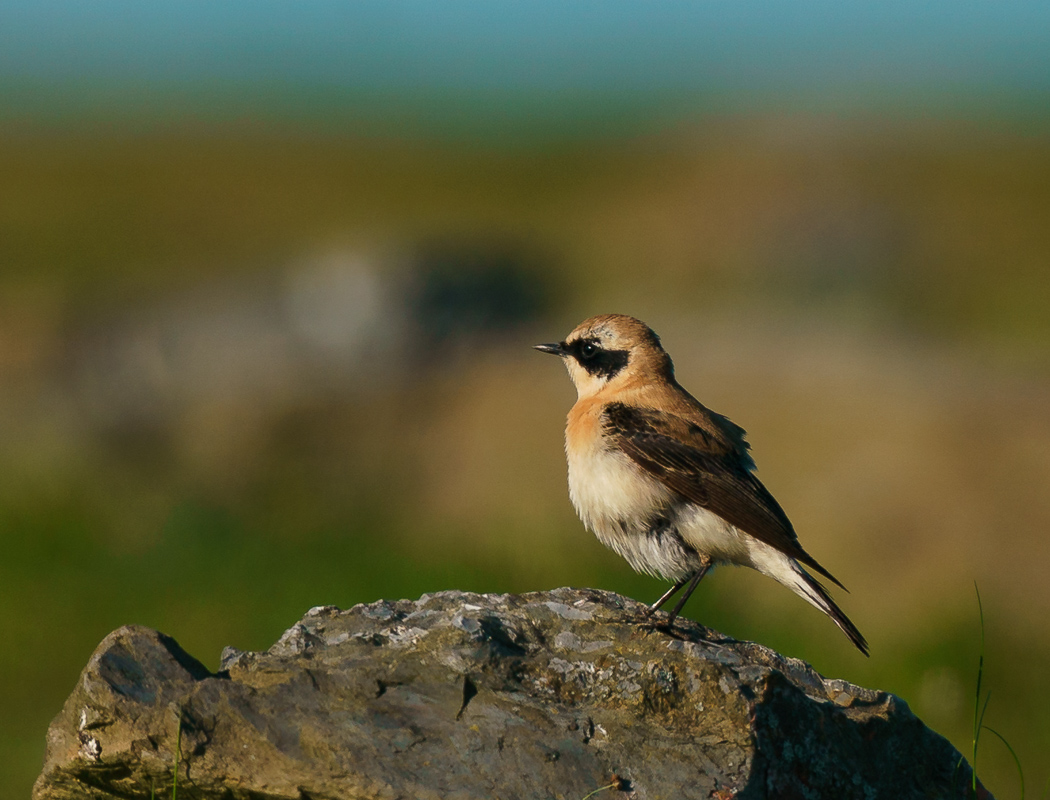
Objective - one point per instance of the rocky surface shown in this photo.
(456, 695)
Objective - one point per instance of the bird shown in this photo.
(666, 482)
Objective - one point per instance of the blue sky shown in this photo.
(531, 44)
(815, 49)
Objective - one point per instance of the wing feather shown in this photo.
(709, 466)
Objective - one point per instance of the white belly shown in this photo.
(606, 488)
(618, 502)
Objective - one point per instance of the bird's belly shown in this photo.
(607, 488)
(711, 535)
(620, 503)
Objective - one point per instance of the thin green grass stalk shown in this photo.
(978, 711)
(178, 758)
(980, 727)
(614, 785)
(1017, 761)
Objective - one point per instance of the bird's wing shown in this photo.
(707, 468)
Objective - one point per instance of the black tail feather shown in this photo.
(809, 561)
(838, 616)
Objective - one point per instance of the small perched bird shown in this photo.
(666, 482)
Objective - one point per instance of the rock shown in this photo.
(456, 695)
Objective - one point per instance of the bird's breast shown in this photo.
(607, 489)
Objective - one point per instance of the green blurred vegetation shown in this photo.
(869, 301)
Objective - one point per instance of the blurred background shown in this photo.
(270, 274)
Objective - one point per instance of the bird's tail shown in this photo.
(808, 587)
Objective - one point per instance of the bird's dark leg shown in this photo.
(697, 576)
(669, 593)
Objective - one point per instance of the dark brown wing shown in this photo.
(707, 468)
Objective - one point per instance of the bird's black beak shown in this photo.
(555, 349)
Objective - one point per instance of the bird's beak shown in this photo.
(555, 349)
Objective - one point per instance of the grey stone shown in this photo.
(457, 695)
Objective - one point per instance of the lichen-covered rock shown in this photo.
(456, 695)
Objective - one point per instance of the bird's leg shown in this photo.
(697, 576)
(669, 594)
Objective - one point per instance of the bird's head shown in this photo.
(610, 351)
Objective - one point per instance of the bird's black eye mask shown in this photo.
(598, 361)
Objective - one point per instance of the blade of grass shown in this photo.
(614, 785)
(1017, 761)
(178, 758)
(978, 711)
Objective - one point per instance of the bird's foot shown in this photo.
(649, 620)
